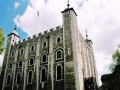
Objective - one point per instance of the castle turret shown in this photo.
(12, 39)
(93, 68)
(73, 66)
(89, 41)
(77, 62)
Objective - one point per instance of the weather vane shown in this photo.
(86, 34)
(15, 26)
(68, 3)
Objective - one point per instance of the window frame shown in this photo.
(31, 77)
(57, 40)
(12, 54)
(44, 75)
(61, 54)
(29, 61)
(69, 51)
(19, 64)
(43, 44)
(42, 58)
(9, 66)
(7, 80)
(61, 72)
(21, 51)
(17, 78)
(33, 48)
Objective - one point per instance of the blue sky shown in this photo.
(8, 12)
(100, 17)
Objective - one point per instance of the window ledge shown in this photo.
(59, 43)
(29, 83)
(59, 80)
(43, 62)
(31, 65)
(19, 67)
(43, 81)
(59, 58)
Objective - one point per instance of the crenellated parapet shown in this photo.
(52, 31)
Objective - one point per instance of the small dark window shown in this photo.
(31, 61)
(44, 44)
(32, 48)
(44, 58)
(12, 54)
(58, 40)
(21, 51)
(30, 77)
(69, 51)
(59, 72)
(10, 66)
(18, 78)
(59, 54)
(43, 75)
(20, 64)
(8, 80)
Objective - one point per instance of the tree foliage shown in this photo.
(2, 38)
(116, 59)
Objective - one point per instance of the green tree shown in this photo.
(116, 59)
(2, 38)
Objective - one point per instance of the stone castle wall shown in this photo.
(76, 62)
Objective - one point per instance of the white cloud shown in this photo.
(99, 17)
(16, 5)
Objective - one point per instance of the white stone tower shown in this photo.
(81, 63)
(12, 39)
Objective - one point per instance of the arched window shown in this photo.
(32, 48)
(8, 80)
(10, 66)
(21, 51)
(29, 77)
(20, 64)
(31, 61)
(43, 75)
(18, 78)
(69, 51)
(58, 40)
(12, 54)
(44, 44)
(59, 72)
(59, 54)
(44, 58)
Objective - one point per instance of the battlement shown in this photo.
(50, 32)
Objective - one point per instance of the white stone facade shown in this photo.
(61, 63)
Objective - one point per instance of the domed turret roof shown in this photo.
(14, 32)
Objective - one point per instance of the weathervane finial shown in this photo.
(86, 34)
(15, 27)
(68, 3)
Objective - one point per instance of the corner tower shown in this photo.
(12, 39)
(73, 62)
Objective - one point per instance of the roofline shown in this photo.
(69, 9)
(14, 34)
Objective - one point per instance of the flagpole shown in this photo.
(35, 25)
(36, 22)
